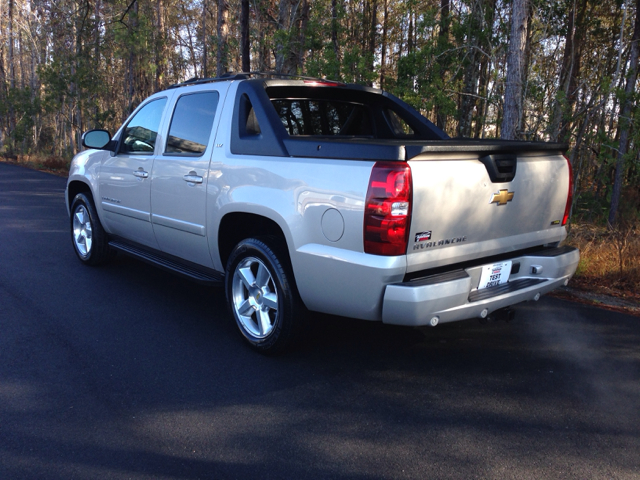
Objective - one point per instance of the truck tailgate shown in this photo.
(460, 214)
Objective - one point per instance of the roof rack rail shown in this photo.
(247, 75)
(197, 81)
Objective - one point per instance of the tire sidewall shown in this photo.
(283, 327)
(93, 255)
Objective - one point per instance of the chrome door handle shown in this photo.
(193, 177)
(141, 174)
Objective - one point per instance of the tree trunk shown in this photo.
(192, 50)
(472, 72)
(334, 38)
(244, 36)
(96, 58)
(372, 36)
(12, 67)
(264, 56)
(525, 74)
(410, 44)
(160, 54)
(76, 119)
(131, 79)
(292, 20)
(222, 61)
(625, 116)
(383, 47)
(205, 40)
(302, 35)
(443, 40)
(3, 77)
(569, 71)
(282, 43)
(12, 75)
(515, 63)
(485, 61)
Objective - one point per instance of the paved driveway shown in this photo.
(125, 371)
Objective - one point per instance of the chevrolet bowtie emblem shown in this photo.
(502, 197)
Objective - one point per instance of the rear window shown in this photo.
(324, 117)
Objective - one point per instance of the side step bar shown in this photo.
(195, 273)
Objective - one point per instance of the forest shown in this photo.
(559, 70)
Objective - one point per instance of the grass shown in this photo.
(609, 259)
(47, 163)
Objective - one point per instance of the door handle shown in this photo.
(193, 177)
(141, 173)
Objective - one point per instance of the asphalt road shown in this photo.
(125, 371)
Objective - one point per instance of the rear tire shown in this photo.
(262, 295)
(90, 241)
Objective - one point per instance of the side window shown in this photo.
(399, 127)
(140, 134)
(248, 121)
(192, 123)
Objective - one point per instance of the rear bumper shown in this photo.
(454, 295)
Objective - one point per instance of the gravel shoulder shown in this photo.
(628, 305)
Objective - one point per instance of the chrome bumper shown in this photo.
(454, 295)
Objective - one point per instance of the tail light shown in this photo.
(567, 209)
(323, 83)
(387, 214)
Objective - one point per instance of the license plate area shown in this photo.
(495, 274)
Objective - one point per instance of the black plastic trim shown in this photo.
(343, 148)
(539, 251)
(554, 252)
(434, 279)
(170, 263)
(272, 132)
(467, 145)
(501, 167)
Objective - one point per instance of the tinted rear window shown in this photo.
(324, 117)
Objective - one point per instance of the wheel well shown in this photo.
(77, 187)
(235, 227)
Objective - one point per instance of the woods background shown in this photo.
(562, 70)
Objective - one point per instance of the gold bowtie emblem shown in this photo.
(502, 197)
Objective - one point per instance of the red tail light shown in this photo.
(324, 83)
(567, 209)
(387, 214)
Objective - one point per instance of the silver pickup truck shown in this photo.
(311, 194)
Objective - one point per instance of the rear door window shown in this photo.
(192, 123)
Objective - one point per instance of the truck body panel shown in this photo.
(301, 157)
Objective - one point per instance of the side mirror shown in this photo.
(99, 139)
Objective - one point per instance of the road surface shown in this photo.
(127, 372)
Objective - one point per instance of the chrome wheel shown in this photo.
(254, 297)
(82, 232)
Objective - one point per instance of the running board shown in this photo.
(209, 277)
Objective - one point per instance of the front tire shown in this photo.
(89, 239)
(262, 295)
